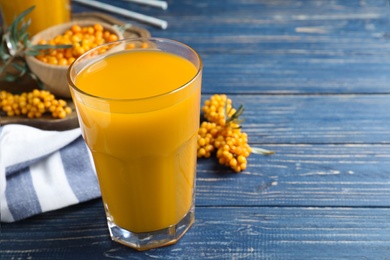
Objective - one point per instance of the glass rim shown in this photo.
(142, 39)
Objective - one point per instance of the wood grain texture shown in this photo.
(218, 233)
(301, 175)
(314, 78)
(315, 119)
(286, 47)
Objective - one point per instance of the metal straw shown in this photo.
(130, 14)
(155, 3)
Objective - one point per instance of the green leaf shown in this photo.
(19, 67)
(122, 28)
(28, 45)
(63, 46)
(48, 46)
(10, 78)
(32, 52)
(14, 26)
(5, 56)
(3, 53)
(14, 32)
(235, 118)
(12, 45)
(262, 151)
(23, 29)
(24, 38)
(15, 44)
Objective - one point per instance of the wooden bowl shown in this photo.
(54, 76)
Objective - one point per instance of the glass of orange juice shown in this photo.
(45, 14)
(138, 105)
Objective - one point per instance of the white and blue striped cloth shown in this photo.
(42, 171)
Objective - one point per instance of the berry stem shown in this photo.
(262, 151)
(235, 118)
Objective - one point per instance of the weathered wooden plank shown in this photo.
(283, 46)
(274, 17)
(219, 17)
(301, 175)
(296, 73)
(286, 47)
(218, 233)
(315, 119)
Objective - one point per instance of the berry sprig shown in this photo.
(222, 133)
(217, 109)
(33, 104)
(15, 45)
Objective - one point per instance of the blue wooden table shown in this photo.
(314, 77)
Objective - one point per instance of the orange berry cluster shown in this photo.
(33, 104)
(82, 39)
(217, 108)
(222, 133)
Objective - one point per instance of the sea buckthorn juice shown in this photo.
(138, 110)
(45, 14)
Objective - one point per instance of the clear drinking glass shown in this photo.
(138, 105)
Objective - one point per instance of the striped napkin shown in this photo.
(42, 171)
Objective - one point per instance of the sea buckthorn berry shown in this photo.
(144, 45)
(112, 38)
(59, 55)
(206, 139)
(33, 104)
(68, 110)
(53, 61)
(130, 46)
(217, 109)
(90, 30)
(233, 162)
(44, 59)
(98, 35)
(68, 33)
(63, 61)
(75, 28)
(221, 132)
(201, 152)
(98, 27)
(82, 39)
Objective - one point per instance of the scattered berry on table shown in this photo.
(221, 132)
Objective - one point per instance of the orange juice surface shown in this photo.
(145, 155)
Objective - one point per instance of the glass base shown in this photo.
(149, 240)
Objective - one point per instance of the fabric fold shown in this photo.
(42, 171)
